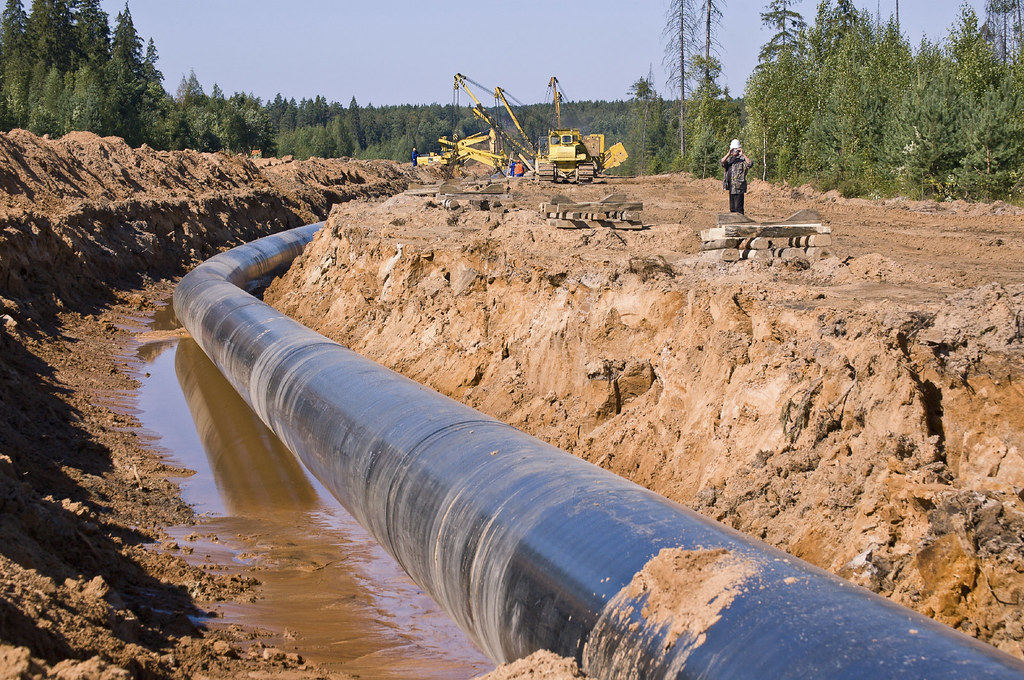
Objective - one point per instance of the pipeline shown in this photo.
(528, 547)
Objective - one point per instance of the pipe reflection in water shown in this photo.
(253, 470)
(328, 590)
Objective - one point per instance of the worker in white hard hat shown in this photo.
(736, 165)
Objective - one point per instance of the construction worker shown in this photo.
(415, 156)
(736, 165)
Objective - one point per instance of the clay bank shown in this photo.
(860, 412)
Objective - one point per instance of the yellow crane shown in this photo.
(526, 148)
(501, 146)
(570, 155)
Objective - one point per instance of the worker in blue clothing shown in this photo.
(414, 157)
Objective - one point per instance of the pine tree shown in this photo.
(51, 35)
(47, 114)
(127, 80)
(680, 31)
(999, 29)
(707, 120)
(86, 101)
(15, 66)
(929, 137)
(642, 93)
(190, 92)
(712, 16)
(126, 46)
(13, 37)
(354, 124)
(787, 23)
(994, 144)
(92, 28)
(150, 73)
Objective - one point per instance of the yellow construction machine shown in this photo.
(502, 147)
(572, 156)
(455, 152)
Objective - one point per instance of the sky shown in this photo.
(407, 51)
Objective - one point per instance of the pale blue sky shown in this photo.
(406, 51)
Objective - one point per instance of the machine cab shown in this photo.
(564, 144)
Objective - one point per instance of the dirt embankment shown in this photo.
(89, 227)
(863, 412)
(82, 214)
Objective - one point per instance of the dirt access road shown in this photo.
(896, 364)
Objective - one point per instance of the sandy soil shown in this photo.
(862, 412)
(91, 233)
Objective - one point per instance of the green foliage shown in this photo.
(974, 60)
(990, 166)
(844, 101)
(850, 105)
(787, 22)
(92, 33)
(332, 140)
(710, 121)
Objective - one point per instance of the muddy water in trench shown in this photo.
(329, 592)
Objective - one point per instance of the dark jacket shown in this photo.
(735, 180)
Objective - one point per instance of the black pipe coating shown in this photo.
(528, 547)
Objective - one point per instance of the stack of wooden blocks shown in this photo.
(453, 194)
(613, 211)
(737, 237)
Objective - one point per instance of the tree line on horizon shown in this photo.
(843, 102)
(847, 103)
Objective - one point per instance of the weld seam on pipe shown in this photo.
(528, 547)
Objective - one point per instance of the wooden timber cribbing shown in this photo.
(613, 212)
(737, 237)
(453, 194)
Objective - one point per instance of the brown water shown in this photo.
(329, 592)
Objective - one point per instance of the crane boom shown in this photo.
(530, 149)
(460, 81)
(553, 84)
(524, 152)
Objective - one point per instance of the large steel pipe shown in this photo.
(529, 547)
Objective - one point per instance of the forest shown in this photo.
(842, 100)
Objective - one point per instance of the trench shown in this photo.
(528, 547)
(328, 591)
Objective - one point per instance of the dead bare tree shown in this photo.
(679, 33)
(712, 13)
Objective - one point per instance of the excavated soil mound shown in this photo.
(83, 213)
(86, 225)
(862, 412)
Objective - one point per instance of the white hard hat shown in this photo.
(735, 144)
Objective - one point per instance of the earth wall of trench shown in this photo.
(877, 439)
